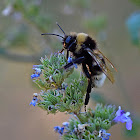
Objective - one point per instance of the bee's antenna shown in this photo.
(52, 34)
(60, 28)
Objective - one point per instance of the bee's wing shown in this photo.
(107, 60)
(102, 65)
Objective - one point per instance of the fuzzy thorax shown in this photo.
(81, 37)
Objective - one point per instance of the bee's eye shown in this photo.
(68, 39)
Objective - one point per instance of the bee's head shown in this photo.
(69, 42)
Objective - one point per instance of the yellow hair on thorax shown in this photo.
(81, 37)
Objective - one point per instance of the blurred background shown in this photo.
(116, 26)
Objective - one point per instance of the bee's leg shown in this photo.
(67, 54)
(61, 51)
(86, 71)
(88, 93)
(75, 61)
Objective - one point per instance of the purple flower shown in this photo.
(104, 135)
(70, 60)
(34, 100)
(38, 66)
(59, 129)
(121, 116)
(37, 73)
(34, 76)
(37, 70)
(65, 124)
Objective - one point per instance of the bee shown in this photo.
(86, 52)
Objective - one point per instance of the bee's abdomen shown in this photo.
(98, 80)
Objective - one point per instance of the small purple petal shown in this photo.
(56, 128)
(65, 124)
(117, 119)
(118, 113)
(35, 76)
(129, 124)
(121, 116)
(59, 129)
(37, 70)
(70, 60)
(33, 102)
